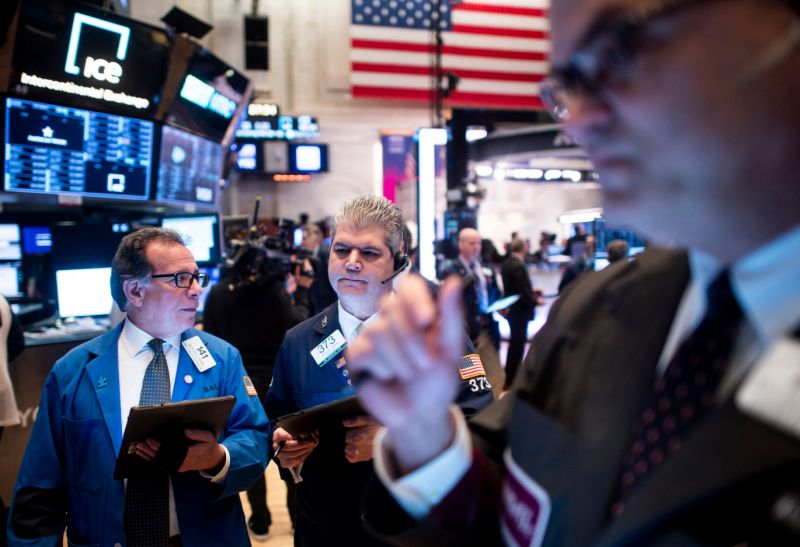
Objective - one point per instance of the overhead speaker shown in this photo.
(256, 42)
(183, 21)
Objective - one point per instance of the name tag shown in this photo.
(525, 507)
(199, 353)
(769, 393)
(328, 348)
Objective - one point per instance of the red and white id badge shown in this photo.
(525, 507)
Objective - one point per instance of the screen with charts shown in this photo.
(84, 292)
(189, 168)
(60, 150)
(200, 233)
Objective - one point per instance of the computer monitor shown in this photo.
(54, 149)
(84, 292)
(10, 248)
(189, 168)
(36, 240)
(11, 279)
(201, 235)
(86, 245)
(308, 158)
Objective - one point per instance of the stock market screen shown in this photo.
(61, 150)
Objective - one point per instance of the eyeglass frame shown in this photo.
(578, 76)
(202, 278)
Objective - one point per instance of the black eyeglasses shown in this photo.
(605, 60)
(183, 280)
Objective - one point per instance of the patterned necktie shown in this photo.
(685, 393)
(147, 499)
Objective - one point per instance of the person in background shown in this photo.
(660, 403)
(366, 254)
(66, 481)
(253, 313)
(517, 281)
(617, 250)
(12, 342)
(322, 294)
(479, 290)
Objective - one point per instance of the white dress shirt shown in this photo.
(766, 286)
(349, 322)
(134, 355)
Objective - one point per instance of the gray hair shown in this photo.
(130, 260)
(368, 210)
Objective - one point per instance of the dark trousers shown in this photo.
(516, 346)
(257, 494)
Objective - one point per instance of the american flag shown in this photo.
(498, 48)
(471, 366)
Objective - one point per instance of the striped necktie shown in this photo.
(147, 499)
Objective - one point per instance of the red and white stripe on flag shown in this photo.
(498, 48)
(471, 366)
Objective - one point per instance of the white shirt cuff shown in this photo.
(419, 491)
(219, 477)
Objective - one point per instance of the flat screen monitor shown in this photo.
(208, 96)
(36, 240)
(249, 156)
(77, 55)
(189, 168)
(308, 158)
(605, 233)
(11, 279)
(86, 245)
(62, 150)
(10, 248)
(84, 292)
(201, 235)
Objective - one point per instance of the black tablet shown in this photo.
(165, 423)
(320, 416)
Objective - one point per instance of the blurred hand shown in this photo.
(291, 283)
(205, 454)
(409, 356)
(359, 437)
(294, 451)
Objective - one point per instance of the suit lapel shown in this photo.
(638, 310)
(326, 325)
(103, 371)
(185, 368)
(724, 450)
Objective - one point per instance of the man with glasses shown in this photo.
(660, 403)
(154, 356)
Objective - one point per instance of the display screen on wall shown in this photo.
(308, 158)
(67, 53)
(189, 168)
(61, 150)
(208, 96)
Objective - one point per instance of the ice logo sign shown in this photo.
(98, 69)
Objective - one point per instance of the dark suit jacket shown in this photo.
(567, 422)
(329, 497)
(516, 281)
(475, 319)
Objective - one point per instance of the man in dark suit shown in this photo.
(335, 466)
(659, 405)
(479, 290)
(517, 281)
